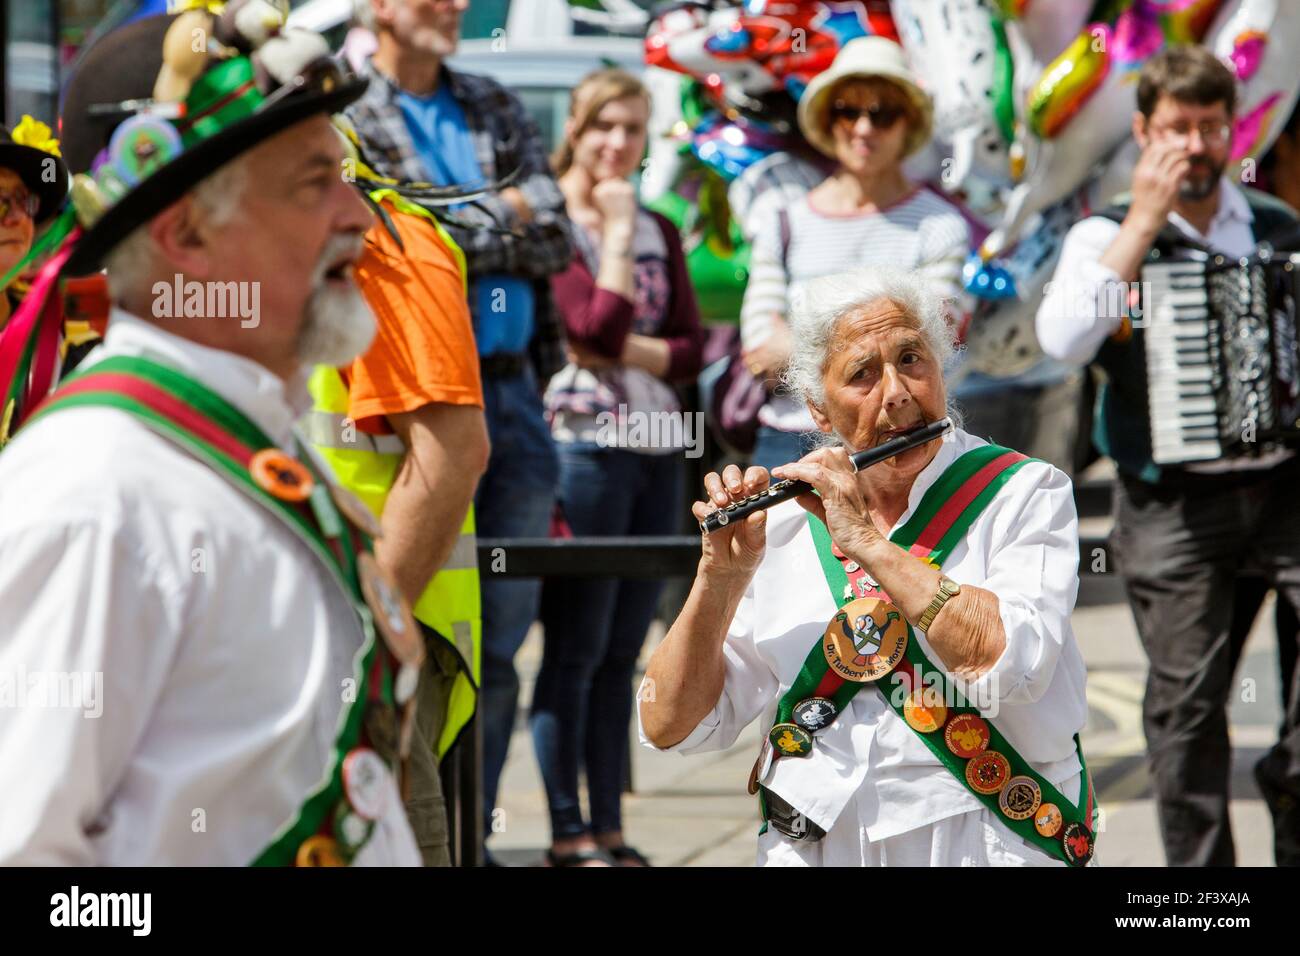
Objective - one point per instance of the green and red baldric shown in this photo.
(338, 817)
(969, 745)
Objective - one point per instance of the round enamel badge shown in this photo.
(392, 614)
(365, 780)
(319, 850)
(761, 766)
(790, 740)
(1079, 843)
(865, 640)
(1020, 798)
(924, 710)
(814, 713)
(967, 735)
(280, 474)
(1048, 820)
(989, 772)
(141, 145)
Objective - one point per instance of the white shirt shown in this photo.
(1074, 318)
(222, 643)
(1024, 548)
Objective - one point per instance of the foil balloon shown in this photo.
(957, 53)
(745, 51)
(734, 137)
(688, 40)
(1259, 44)
(794, 41)
(1000, 340)
(1077, 114)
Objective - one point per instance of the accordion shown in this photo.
(1223, 374)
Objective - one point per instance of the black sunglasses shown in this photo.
(882, 115)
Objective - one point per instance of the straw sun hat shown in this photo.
(861, 59)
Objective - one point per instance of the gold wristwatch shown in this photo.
(948, 588)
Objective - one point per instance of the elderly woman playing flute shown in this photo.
(902, 633)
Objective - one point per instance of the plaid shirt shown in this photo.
(505, 138)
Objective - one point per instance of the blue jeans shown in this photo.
(773, 447)
(515, 499)
(595, 627)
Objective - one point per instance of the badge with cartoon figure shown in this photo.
(865, 640)
(141, 145)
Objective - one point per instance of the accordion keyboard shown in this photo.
(1184, 363)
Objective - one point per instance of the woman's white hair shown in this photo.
(820, 305)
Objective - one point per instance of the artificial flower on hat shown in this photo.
(32, 132)
(32, 151)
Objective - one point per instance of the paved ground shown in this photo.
(693, 811)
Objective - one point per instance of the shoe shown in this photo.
(628, 856)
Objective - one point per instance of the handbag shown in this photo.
(738, 394)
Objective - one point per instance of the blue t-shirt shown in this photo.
(502, 305)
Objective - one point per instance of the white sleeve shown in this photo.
(1035, 576)
(1078, 310)
(767, 292)
(944, 247)
(749, 686)
(89, 629)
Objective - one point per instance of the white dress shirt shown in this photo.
(1024, 548)
(223, 647)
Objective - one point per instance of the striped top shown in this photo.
(922, 231)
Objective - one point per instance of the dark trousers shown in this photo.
(595, 627)
(1180, 548)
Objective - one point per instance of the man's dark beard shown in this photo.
(1200, 187)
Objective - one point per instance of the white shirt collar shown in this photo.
(252, 388)
(1232, 207)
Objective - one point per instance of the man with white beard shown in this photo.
(160, 523)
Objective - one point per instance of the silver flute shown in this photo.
(791, 488)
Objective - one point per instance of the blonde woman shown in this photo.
(633, 328)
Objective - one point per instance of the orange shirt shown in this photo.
(424, 349)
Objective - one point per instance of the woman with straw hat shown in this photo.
(868, 113)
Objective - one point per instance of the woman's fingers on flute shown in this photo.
(702, 509)
(734, 481)
(732, 485)
(717, 493)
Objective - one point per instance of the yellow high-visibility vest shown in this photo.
(368, 465)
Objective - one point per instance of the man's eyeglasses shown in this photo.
(1212, 134)
(882, 115)
(25, 203)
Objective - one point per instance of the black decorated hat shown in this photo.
(32, 152)
(158, 105)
